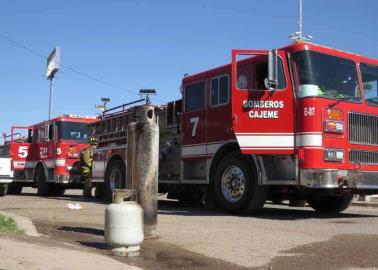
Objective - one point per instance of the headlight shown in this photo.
(333, 154)
(334, 126)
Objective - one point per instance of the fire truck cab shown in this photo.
(298, 123)
(47, 157)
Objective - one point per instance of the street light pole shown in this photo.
(53, 65)
(50, 96)
(102, 107)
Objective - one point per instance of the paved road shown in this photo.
(279, 238)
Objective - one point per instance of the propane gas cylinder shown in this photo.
(124, 226)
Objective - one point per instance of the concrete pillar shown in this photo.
(142, 164)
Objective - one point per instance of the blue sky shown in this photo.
(151, 44)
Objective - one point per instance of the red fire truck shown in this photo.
(47, 156)
(298, 123)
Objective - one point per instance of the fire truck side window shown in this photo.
(41, 135)
(219, 90)
(195, 97)
(369, 76)
(35, 136)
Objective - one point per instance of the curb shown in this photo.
(23, 223)
(365, 204)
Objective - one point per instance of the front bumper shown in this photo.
(318, 178)
(6, 179)
(69, 179)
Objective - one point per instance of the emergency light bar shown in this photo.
(77, 116)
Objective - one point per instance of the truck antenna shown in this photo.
(299, 35)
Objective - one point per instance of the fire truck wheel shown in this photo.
(3, 189)
(114, 179)
(329, 203)
(99, 191)
(43, 188)
(236, 187)
(57, 190)
(14, 188)
(277, 199)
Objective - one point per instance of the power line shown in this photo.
(23, 46)
(97, 80)
(86, 75)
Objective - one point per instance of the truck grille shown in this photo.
(363, 128)
(366, 157)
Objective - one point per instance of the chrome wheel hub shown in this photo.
(233, 184)
(115, 179)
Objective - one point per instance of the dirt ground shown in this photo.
(197, 238)
(19, 253)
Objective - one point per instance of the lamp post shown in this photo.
(53, 65)
(147, 92)
(102, 107)
(50, 95)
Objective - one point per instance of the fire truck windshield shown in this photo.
(369, 74)
(326, 76)
(73, 131)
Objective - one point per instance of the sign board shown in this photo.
(53, 63)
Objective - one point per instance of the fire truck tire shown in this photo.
(14, 188)
(57, 190)
(114, 178)
(277, 199)
(3, 189)
(329, 203)
(236, 187)
(43, 188)
(99, 190)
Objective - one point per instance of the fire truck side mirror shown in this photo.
(272, 82)
(30, 135)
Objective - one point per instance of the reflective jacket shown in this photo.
(86, 157)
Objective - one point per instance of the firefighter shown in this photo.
(86, 167)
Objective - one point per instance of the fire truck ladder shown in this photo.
(113, 123)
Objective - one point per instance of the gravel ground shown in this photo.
(279, 238)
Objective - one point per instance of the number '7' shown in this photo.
(194, 121)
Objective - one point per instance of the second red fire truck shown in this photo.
(300, 122)
(47, 156)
